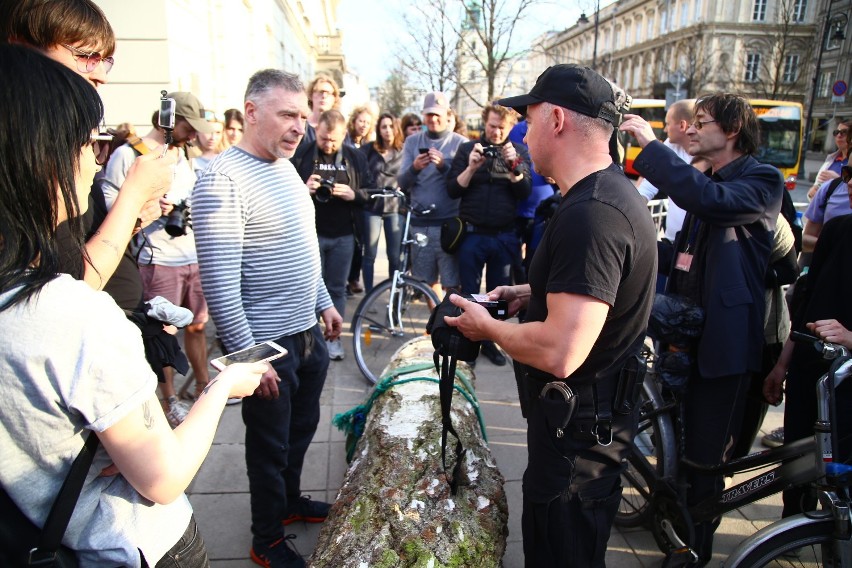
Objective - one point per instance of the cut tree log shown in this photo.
(395, 507)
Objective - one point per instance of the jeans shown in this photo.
(495, 252)
(392, 223)
(278, 432)
(336, 256)
(188, 552)
(713, 411)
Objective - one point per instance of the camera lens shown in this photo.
(323, 192)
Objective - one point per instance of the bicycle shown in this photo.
(397, 309)
(655, 492)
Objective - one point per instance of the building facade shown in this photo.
(211, 48)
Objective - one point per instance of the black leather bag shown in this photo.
(452, 234)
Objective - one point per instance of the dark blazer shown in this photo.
(739, 204)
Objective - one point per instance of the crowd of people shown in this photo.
(262, 218)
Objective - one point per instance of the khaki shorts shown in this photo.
(431, 263)
(181, 285)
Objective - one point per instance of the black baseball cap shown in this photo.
(577, 88)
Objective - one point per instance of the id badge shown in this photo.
(684, 261)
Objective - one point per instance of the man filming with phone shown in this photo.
(166, 248)
(489, 177)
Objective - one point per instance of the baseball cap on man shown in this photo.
(573, 87)
(435, 103)
(190, 108)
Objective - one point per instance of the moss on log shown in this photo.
(395, 506)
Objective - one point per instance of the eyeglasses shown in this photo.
(100, 146)
(699, 124)
(87, 62)
(324, 93)
(838, 132)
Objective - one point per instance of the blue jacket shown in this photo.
(740, 204)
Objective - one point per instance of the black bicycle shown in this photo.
(655, 491)
(397, 309)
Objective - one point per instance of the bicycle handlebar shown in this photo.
(829, 350)
(386, 192)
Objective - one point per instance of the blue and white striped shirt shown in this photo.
(257, 249)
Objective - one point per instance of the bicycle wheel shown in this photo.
(653, 456)
(795, 541)
(387, 318)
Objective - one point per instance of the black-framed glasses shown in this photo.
(699, 124)
(837, 132)
(87, 62)
(100, 146)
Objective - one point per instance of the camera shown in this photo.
(498, 309)
(323, 193)
(178, 220)
(491, 152)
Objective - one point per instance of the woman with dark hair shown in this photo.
(234, 124)
(830, 169)
(410, 124)
(71, 360)
(383, 158)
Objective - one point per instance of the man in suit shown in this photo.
(720, 259)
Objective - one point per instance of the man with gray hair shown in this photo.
(260, 270)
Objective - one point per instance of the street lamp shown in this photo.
(584, 20)
(837, 23)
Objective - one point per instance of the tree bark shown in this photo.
(395, 507)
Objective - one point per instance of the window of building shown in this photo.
(826, 80)
(650, 32)
(684, 13)
(752, 67)
(638, 37)
(791, 68)
(664, 21)
(758, 14)
(799, 8)
(696, 11)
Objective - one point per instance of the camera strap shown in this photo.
(447, 371)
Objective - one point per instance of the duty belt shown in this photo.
(586, 417)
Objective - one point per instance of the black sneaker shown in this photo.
(277, 554)
(490, 350)
(306, 510)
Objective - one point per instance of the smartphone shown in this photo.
(424, 150)
(166, 119)
(266, 351)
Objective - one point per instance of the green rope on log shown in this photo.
(352, 421)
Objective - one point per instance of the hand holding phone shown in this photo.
(260, 353)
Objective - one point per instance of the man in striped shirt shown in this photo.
(260, 270)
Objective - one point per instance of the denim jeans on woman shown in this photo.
(373, 223)
(188, 552)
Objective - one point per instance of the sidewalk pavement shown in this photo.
(220, 498)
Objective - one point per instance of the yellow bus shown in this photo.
(781, 130)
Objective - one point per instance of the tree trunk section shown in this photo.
(395, 507)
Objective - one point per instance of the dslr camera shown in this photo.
(323, 193)
(178, 220)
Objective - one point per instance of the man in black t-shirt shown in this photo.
(588, 300)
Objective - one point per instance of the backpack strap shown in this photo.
(447, 370)
(137, 144)
(63, 507)
(835, 183)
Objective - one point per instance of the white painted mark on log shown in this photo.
(448, 504)
(482, 502)
(417, 504)
(412, 408)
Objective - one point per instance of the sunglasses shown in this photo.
(87, 62)
(100, 146)
(837, 132)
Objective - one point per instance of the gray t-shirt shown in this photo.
(73, 363)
